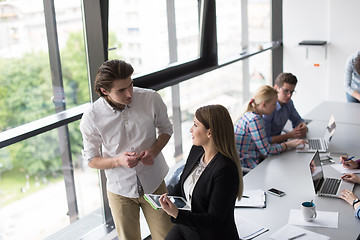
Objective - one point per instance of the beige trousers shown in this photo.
(126, 213)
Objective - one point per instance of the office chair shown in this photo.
(245, 170)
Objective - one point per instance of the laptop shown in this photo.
(326, 187)
(320, 144)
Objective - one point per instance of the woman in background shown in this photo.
(211, 180)
(352, 78)
(250, 134)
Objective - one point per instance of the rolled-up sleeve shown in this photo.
(162, 121)
(92, 141)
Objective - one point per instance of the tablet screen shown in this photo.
(178, 201)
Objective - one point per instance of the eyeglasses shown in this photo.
(287, 92)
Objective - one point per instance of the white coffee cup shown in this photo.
(308, 211)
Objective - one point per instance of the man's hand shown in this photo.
(148, 157)
(299, 131)
(128, 159)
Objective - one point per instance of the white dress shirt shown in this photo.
(132, 129)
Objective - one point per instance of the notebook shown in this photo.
(252, 199)
(326, 187)
(320, 144)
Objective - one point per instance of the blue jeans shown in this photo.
(351, 98)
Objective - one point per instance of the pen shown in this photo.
(245, 196)
(349, 158)
(296, 236)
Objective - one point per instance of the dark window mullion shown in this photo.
(277, 36)
(175, 89)
(208, 36)
(95, 18)
(59, 103)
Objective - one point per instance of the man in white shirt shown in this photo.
(119, 136)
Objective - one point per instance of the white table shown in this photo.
(289, 171)
(343, 112)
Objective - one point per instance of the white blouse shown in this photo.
(191, 180)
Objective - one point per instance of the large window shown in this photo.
(33, 194)
(138, 32)
(25, 78)
(187, 29)
(259, 15)
(222, 86)
(228, 17)
(27, 91)
(41, 175)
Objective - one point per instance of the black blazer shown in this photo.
(213, 198)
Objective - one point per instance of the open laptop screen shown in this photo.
(316, 171)
(330, 129)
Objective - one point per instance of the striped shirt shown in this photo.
(251, 140)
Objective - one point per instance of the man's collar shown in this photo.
(113, 108)
(278, 106)
(108, 104)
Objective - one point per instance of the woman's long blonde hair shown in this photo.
(218, 120)
(264, 93)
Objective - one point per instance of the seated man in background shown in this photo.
(285, 84)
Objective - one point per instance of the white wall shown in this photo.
(335, 21)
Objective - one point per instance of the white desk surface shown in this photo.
(343, 112)
(289, 171)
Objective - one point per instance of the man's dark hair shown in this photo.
(109, 72)
(285, 78)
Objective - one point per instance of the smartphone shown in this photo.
(276, 192)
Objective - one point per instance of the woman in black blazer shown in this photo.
(211, 180)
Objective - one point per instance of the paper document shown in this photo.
(248, 229)
(252, 198)
(323, 219)
(341, 169)
(290, 231)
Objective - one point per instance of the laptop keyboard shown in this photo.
(331, 186)
(314, 143)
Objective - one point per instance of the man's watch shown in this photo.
(356, 201)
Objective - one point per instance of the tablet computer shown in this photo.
(180, 202)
